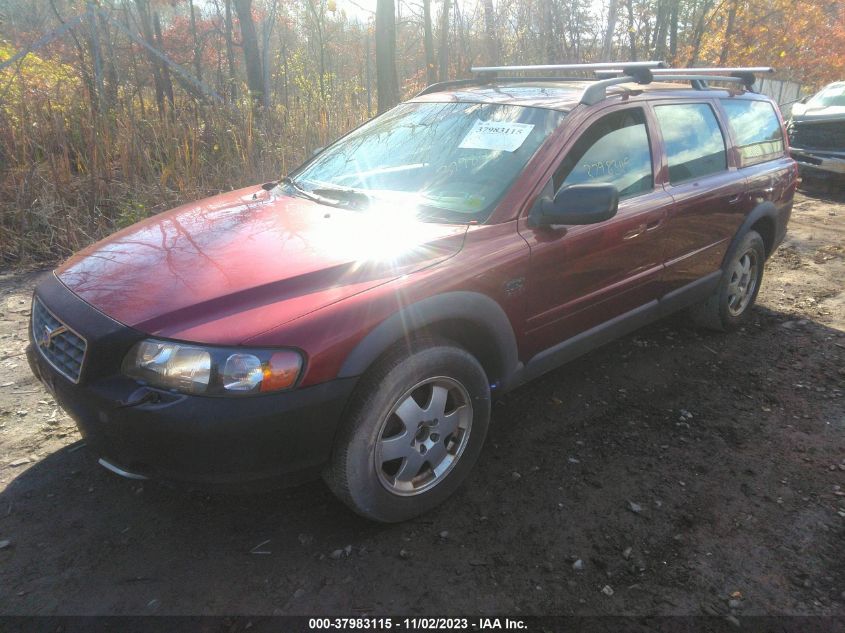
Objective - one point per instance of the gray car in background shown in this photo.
(817, 134)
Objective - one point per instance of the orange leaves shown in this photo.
(802, 40)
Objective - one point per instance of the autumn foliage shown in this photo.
(804, 40)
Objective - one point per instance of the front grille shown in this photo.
(60, 346)
(829, 135)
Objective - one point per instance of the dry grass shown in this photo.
(70, 175)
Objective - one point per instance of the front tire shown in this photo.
(729, 305)
(414, 430)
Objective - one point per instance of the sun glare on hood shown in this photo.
(388, 230)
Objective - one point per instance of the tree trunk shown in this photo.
(661, 28)
(368, 74)
(490, 28)
(387, 83)
(165, 72)
(729, 32)
(698, 34)
(197, 46)
(252, 56)
(318, 24)
(673, 31)
(607, 47)
(155, 63)
(632, 32)
(461, 36)
(267, 30)
(287, 74)
(444, 42)
(230, 51)
(112, 81)
(430, 68)
(551, 48)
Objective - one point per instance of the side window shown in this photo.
(615, 151)
(756, 128)
(694, 143)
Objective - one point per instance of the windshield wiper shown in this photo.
(290, 182)
(354, 197)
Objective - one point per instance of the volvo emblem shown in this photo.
(47, 335)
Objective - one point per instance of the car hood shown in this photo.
(803, 113)
(227, 268)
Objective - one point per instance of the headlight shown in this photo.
(212, 371)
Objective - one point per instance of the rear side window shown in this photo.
(614, 151)
(694, 143)
(756, 129)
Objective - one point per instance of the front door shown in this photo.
(583, 276)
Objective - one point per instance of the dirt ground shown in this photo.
(672, 472)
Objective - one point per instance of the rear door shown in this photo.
(709, 194)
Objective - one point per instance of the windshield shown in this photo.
(449, 162)
(833, 95)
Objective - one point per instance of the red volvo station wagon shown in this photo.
(356, 318)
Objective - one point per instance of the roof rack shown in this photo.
(487, 73)
(484, 80)
(613, 73)
(617, 66)
(698, 78)
(598, 91)
(745, 73)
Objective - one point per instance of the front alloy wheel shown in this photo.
(414, 430)
(423, 436)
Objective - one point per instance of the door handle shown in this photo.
(734, 199)
(635, 232)
(653, 224)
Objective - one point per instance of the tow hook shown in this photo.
(151, 397)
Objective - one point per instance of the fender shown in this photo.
(479, 309)
(763, 210)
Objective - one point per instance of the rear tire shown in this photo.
(730, 304)
(414, 430)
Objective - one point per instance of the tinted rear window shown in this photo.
(693, 140)
(756, 129)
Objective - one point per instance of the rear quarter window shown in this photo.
(756, 128)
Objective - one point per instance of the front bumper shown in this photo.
(819, 161)
(157, 434)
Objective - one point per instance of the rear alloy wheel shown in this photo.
(742, 275)
(414, 430)
(742, 286)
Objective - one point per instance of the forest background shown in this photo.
(124, 108)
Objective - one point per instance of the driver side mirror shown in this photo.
(577, 204)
